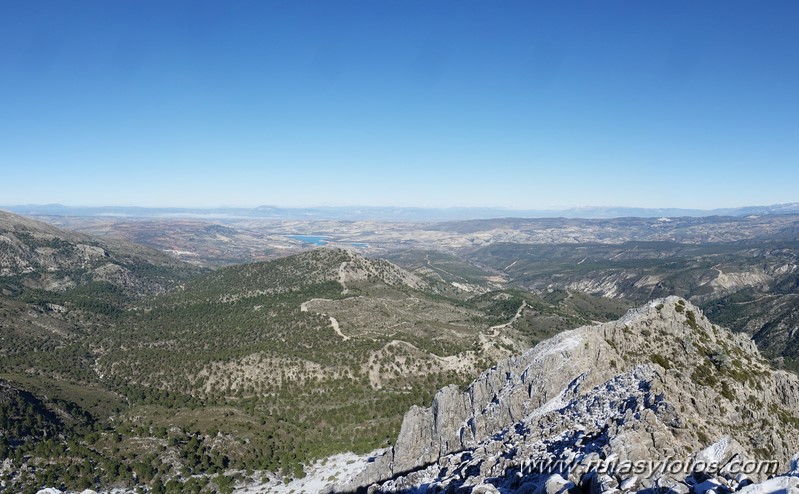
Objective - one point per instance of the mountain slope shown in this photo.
(660, 383)
(58, 287)
(37, 256)
(748, 286)
(260, 367)
(326, 342)
(58, 291)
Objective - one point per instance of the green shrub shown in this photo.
(660, 360)
(726, 391)
(703, 376)
(691, 317)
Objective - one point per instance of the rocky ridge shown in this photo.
(662, 384)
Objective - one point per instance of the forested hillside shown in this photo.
(177, 378)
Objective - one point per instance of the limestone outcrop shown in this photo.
(661, 399)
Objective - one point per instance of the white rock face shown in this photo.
(661, 399)
(777, 485)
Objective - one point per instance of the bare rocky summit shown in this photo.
(661, 386)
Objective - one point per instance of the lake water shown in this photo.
(320, 240)
(309, 239)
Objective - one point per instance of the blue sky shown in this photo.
(427, 103)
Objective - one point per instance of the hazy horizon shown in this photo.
(388, 213)
(521, 105)
(351, 205)
(386, 206)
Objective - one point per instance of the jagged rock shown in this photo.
(603, 483)
(667, 484)
(776, 485)
(556, 484)
(589, 406)
(628, 484)
(717, 455)
(415, 444)
(742, 480)
(485, 489)
(450, 408)
(709, 485)
(583, 472)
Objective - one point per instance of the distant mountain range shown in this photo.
(392, 213)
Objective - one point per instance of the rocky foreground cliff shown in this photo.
(661, 400)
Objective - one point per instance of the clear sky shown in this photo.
(527, 104)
